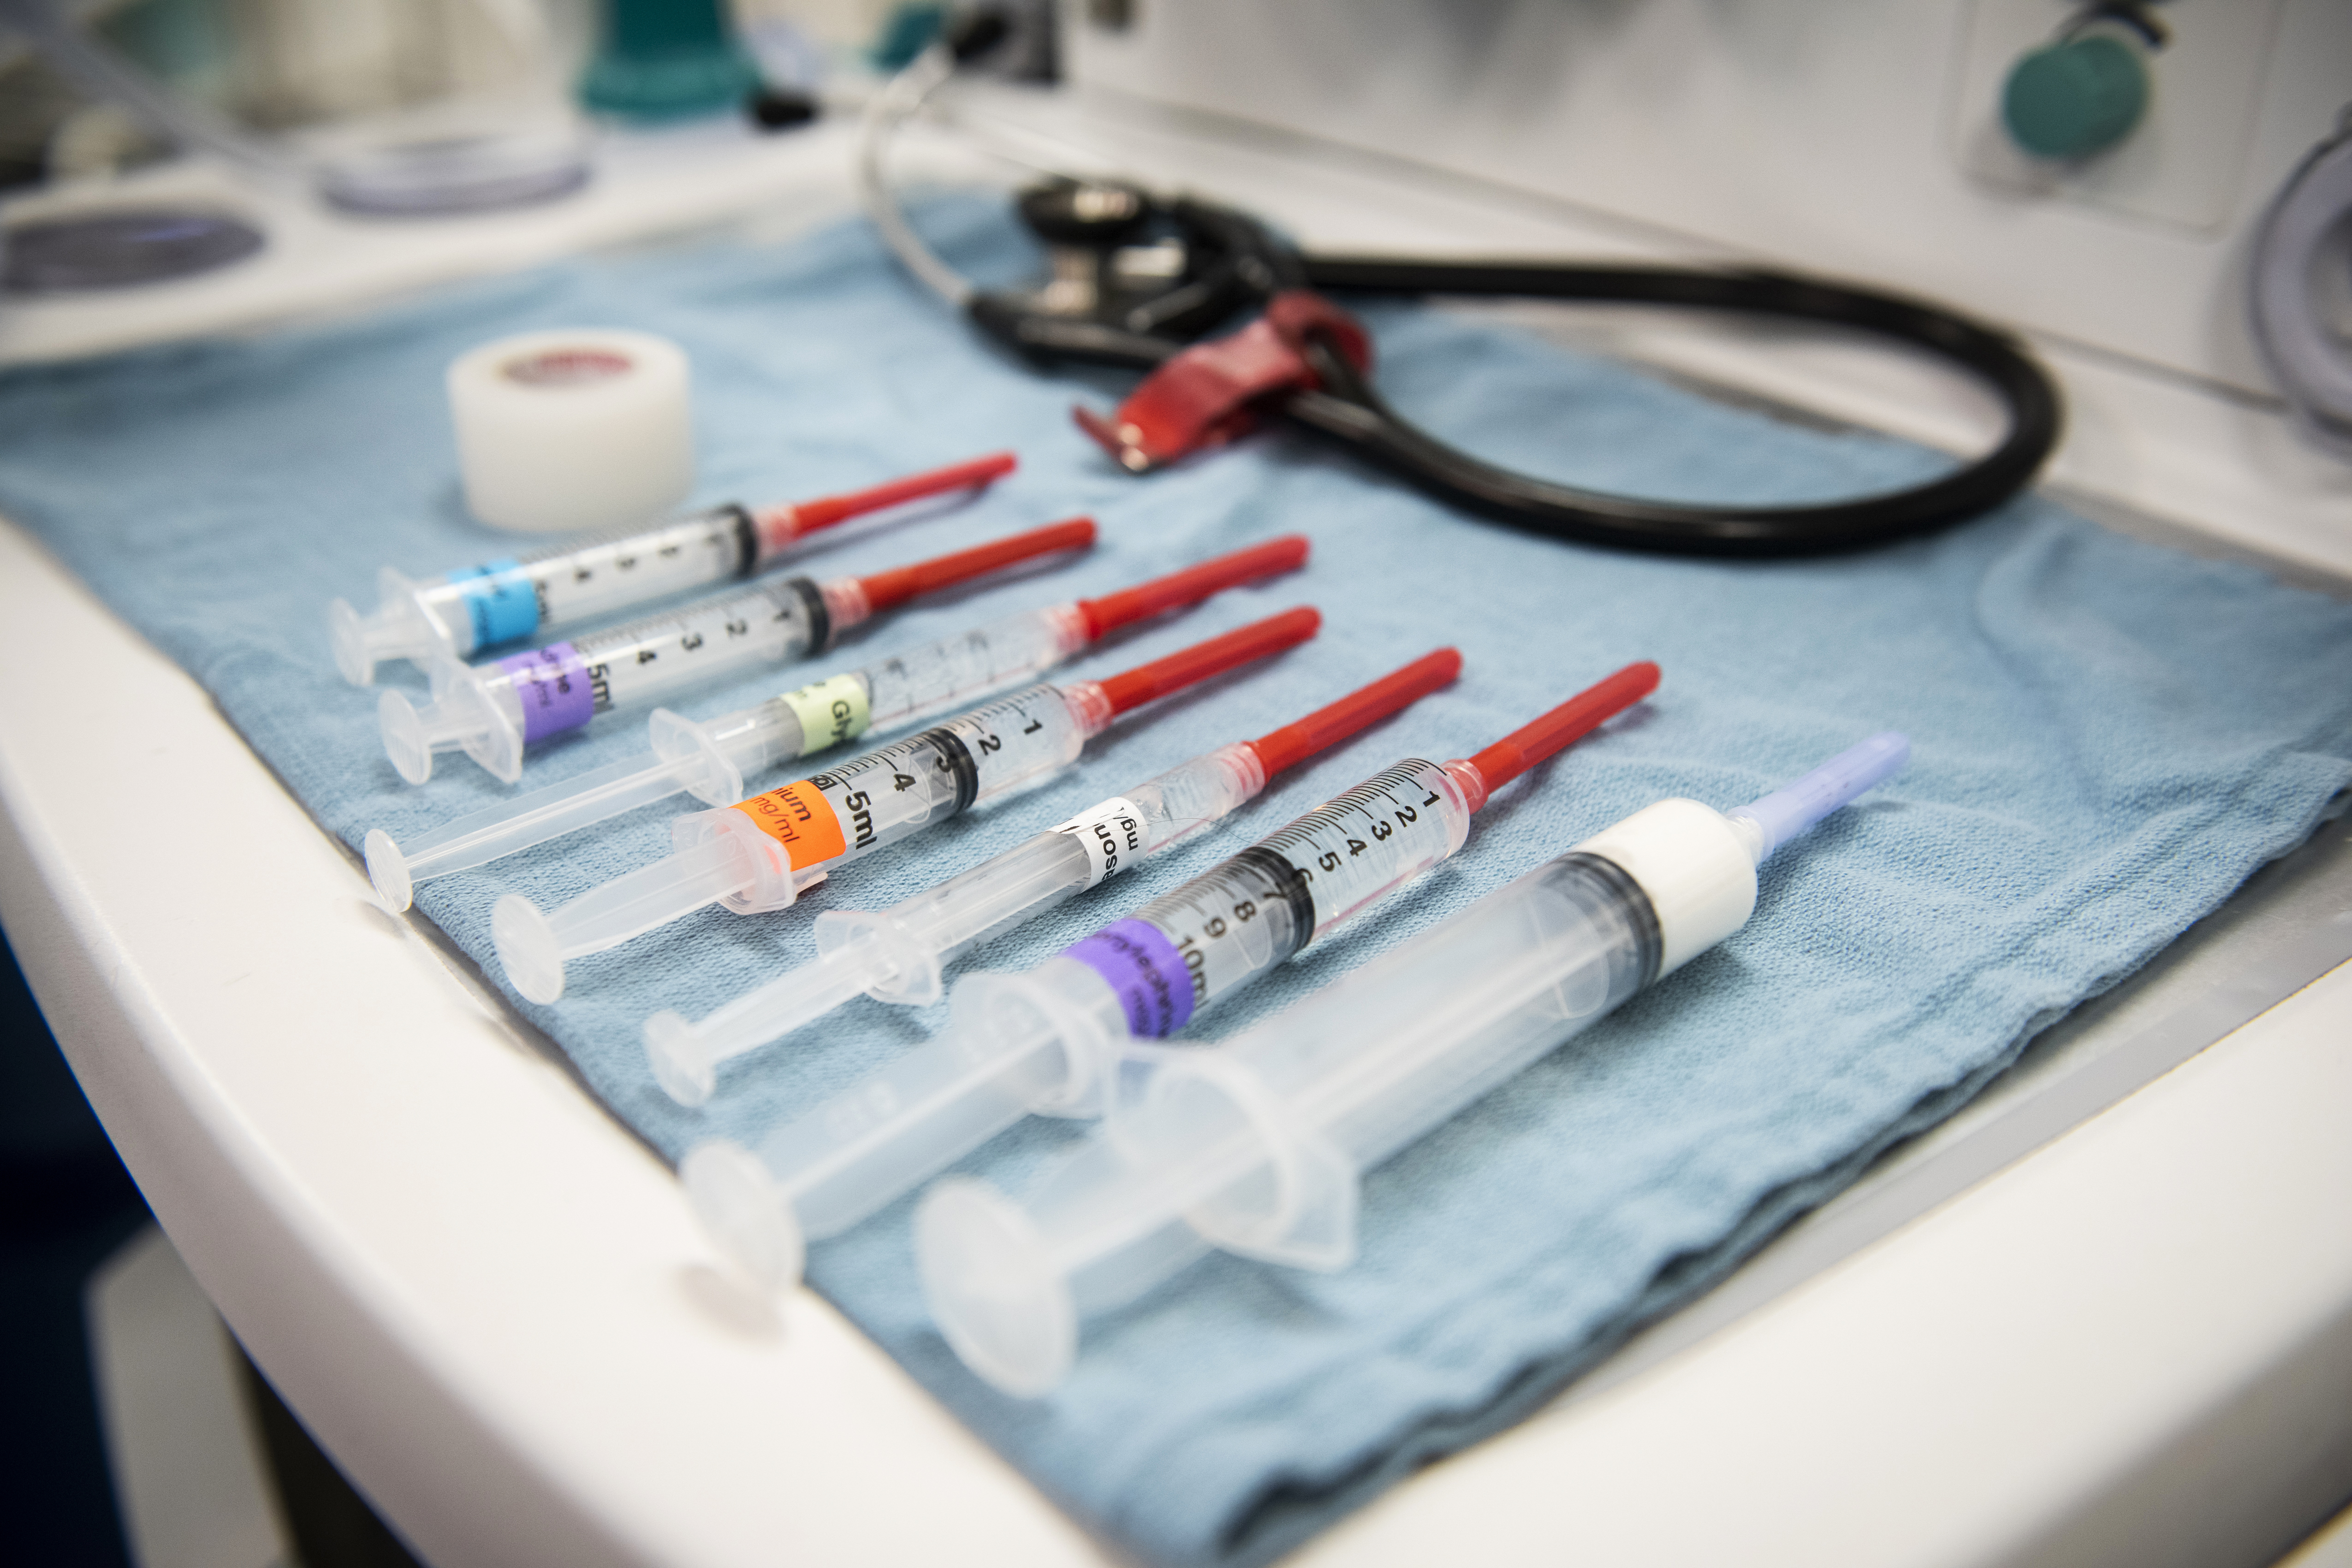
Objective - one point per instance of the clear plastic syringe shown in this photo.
(713, 759)
(898, 954)
(461, 613)
(494, 712)
(757, 854)
(1257, 1146)
(1046, 1041)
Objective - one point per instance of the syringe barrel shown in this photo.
(942, 676)
(919, 684)
(896, 791)
(1189, 798)
(1189, 948)
(942, 924)
(649, 659)
(507, 600)
(924, 681)
(462, 612)
(497, 710)
(1386, 1053)
(899, 954)
(1257, 1146)
(1378, 1057)
(626, 567)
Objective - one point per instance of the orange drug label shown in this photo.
(800, 819)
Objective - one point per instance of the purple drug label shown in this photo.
(1144, 968)
(553, 685)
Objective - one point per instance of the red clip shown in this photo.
(1201, 397)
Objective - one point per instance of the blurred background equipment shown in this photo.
(668, 59)
(2301, 287)
(393, 107)
(2084, 91)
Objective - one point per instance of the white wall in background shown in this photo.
(1839, 135)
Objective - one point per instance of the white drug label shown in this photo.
(1112, 834)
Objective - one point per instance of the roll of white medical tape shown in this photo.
(573, 429)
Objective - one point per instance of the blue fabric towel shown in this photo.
(2108, 736)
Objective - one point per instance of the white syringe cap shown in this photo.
(1698, 871)
(745, 1212)
(993, 1288)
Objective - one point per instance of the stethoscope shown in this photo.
(1138, 279)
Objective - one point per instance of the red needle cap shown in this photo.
(884, 589)
(808, 516)
(1523, 748)
(1188, 667)
(1193, 584)
(1391, 693)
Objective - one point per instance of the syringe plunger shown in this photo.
(1048, 1040)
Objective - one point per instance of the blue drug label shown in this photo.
(501, 602)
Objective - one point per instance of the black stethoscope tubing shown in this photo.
(1246, 264)
(1351, 412)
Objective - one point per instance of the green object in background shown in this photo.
(2075, 97)
(908, 33)
(668, 59)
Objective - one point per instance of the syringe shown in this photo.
(492, 712)
(757, 854)
(898, 954)
(711, 759)
(461, 613)
(1046, 1041)
(1257, 1146)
